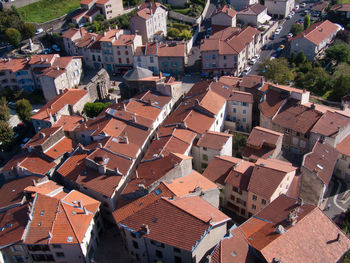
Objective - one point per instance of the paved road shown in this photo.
(279, 40)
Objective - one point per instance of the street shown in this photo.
(279, 40)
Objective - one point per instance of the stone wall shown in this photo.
(99, 85)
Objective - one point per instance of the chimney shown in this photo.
(299, 202)
(57, 68)
(102, 169)
(126, 139)
(116, 170)
(196, 102)
(104, 34)
(292, 217)
(85, 211)
(145, 228)
(41, 135)
(313, 106)
(99, 145)
(46, 60)
(41, 59)
(280, 230)
(133, 118)
(136, 174)
(116, 36)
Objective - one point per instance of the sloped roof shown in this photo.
(226, 10)
(313, 231)
(255, 9)
(344, 146)
(165, 219)
(330, 123)
(322, 160)
(297, 117)
(214, 140)
(260, 136)
(137, 74)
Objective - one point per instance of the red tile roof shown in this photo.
(255, 9)
(65, 145)
(297, 117)
(12, 191)
(226, 10)
(330, 123)
(31, 162)
(341, 7)
(13, 223)
(318, 32)
(68, 97)
(148, 9)
(188, 184)
(265, 181)
(322, 161)
(320, 6)
(165, 219)
(68, 123)
(313, 231)
(13, 64)
(240, 175)
(271, 103)
(41, 137)
(172, 50)
(260, 136)
(219, 168)
(214, 140)
(344, 146)
(234, 248)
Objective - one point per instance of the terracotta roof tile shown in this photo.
(148, 9)
(219, 168)
(65, 145)
(227, 10)
(172, 50)
(12, 191)
(272, 103)
(297, 117)
(240, 175)
(68, 123)
(255, 9)
(197, 213)
(13, 223)
(13, 64)
(344, 146)
(187, 184)
(320, 7)
(313, 231)
(260, 136)
(341, 7)
(322, 160)
(318, 32)
(330, 123)
(41, 137)
(68, 97)
(214, 140)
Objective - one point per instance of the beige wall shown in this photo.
(242, 116)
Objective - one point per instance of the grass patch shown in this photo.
(343, 1)
(45, 10)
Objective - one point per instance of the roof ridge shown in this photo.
(68, 219)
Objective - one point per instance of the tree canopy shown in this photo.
(339, 52)
(296, 29)
(93, 109)
(276, 70)
(13, 36)
(307, 22)
(6, 134)
(24, 110)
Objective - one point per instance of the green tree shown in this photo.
(173, 32)
(96, 26)
(185, 34)
(341, 87)
(4, 110)
(13, 36)
(23, 109)
(276, 70)
(316, 80)
(341, 68)
(300, 58)
(6, 134)
(339, 52)
(28, 30)
(93, 109)
(296, 29)
(307, 22)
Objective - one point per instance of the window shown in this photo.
(207, 65)
(177, 250)
(126, 52)
(254, 198)
(207, 56)
(111, 59)
(56, 246)
(244, 112)
(234, 110)
(204, 165)
(240, 201)
(151, 59)
(232, 197)
(177, 259)
(244, 120)
(254, 207)
(135, 244)
(118, 52)
(233, 118)
(159, 254)
(19, 259)
(127, 61)
(204, 148)
(139, 59)
(213, 57)
(244, 104)
(60, 254)
(263, 201)
(106, 59)
(224, 57)
(120, 60)
(205, 157)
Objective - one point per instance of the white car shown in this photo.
(253, 61)
(290, 35)
(277, 31)
(39, 31)
(257, 56)
(303, 5)
(292, 13)
(297, 7)
(280, 28)
(246, 71)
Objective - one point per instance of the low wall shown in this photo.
(189, 19)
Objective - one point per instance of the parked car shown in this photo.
(56, 48)
(303, 5)
(252, 61)
(280, 28)
(300, 20)
(277, 32)
(257, 56)
(290, 35)
(11, 105)
(47, 51)
(296, 7)
(39, 31)
(246, 71)
(289, 16)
